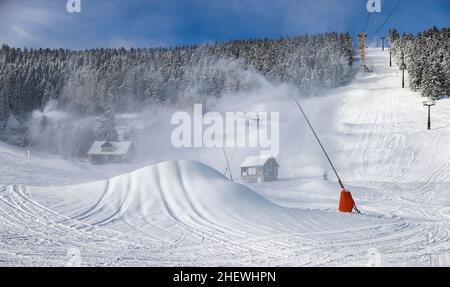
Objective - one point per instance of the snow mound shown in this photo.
(184, 194)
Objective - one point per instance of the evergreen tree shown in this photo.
(4, 111)
(106, 130)
(427, 57)
(434, 82)
(93, 79)
(394, 35)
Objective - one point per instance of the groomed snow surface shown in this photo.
(184, 213)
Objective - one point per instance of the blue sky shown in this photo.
(153, 23)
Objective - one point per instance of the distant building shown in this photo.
(103, 152)
(259, 169)
(15, 132)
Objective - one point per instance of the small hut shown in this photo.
(104, 152)
(15, 132)
(257, 169)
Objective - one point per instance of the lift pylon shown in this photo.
(362, 51)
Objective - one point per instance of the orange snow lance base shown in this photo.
(346, 203)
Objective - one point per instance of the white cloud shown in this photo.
(46, 23)
(26, 23)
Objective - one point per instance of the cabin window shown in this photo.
(269, 169)
(107, 149)
(251, 171)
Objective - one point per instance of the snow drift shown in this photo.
(174, 194)
(184, 214)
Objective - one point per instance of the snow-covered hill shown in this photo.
(186, 213)
(180, 213)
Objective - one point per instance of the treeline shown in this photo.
(427, 59)
(93, 80)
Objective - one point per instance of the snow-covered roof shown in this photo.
(107, 144)
(253, 161)
(120, 148)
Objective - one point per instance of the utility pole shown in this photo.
(390, 57)
(429, 104)
(403, 68)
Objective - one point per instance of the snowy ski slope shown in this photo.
(186, 213)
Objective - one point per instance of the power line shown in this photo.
(367, 22)
(389, 16)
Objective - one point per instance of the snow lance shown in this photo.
(346, 202)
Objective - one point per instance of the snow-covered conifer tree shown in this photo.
(106, 130)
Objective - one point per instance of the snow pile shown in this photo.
(185, 192)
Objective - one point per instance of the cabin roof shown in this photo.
(107, 144)
(120, 148)
(256, 161)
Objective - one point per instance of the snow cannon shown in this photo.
(346, 202)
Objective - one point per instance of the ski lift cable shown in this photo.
(367, 22)
(368, 19)
(397, 5)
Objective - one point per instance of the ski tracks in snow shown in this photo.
(181, 213)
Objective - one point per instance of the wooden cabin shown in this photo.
(15, 132)
(257, 169)
(104, 152)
